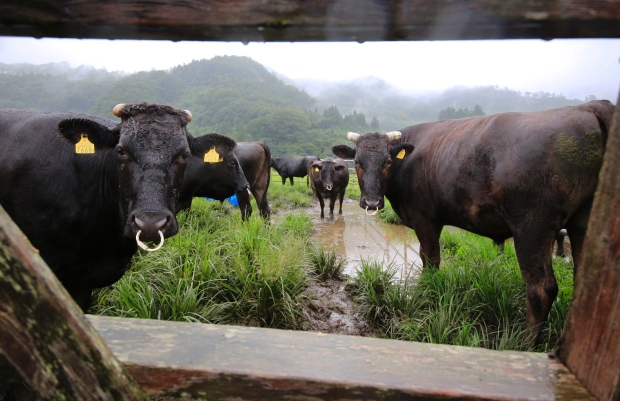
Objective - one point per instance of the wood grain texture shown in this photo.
(311, 20)
(45, 339)
(590, 346)
(245, 363)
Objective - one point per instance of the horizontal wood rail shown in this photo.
(311, 20)
(246, 363)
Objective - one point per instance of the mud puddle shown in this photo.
(357, 236)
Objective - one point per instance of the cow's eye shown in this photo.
(120, 151)
(388, 163)
(185, 155)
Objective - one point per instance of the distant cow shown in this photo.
(87, 191)
(289, 167)
(247, 165)
(330, 179)
(521, 175)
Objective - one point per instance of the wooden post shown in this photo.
(45, 339)
(590, 346)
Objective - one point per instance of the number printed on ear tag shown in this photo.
(316, 169)
(84, 146)
(212, 156)
(401, 154)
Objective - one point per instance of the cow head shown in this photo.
(150, 147)
(374, 156)
(326, 169)
(215, 173)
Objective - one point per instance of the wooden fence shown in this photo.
(48, 343)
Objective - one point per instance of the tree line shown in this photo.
(239, 97)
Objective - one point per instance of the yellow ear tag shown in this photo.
(316, 169)
(401, 154)
(84, 146)
(212, 156)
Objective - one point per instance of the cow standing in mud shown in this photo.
(329, 180)
(88, 191)
(521, 175)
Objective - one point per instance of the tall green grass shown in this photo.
(218, 270)
(476, 298)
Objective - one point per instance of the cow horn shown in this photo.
(189, 115)
(352, 136)
(117, 109)
(392, 135)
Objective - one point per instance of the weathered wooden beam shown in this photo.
(311, 20)
(590, 345)
(247, 363)
(45, 340)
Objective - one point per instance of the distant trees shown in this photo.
(237, 96)
(450, 113)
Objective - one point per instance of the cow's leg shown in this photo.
(332, 203)
(576, 230)
(532, 249)
(81, 294)
(428, 234)
(560, 240)
(321, 203)
(341, 199)
(283, 180)
(245, 205)
(291, 179)
(500, 247)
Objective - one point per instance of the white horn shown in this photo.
(352, 136)
(117, 109)
(392, 135)
(189, 115)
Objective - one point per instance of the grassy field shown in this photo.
(222, 270)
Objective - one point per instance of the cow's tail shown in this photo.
(264, 206)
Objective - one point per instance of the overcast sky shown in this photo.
(574, 68)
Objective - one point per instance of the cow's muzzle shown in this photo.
(371, 205)
(329, 187)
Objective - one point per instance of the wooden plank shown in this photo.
(245, 363)
(311, 20)
(590, 346)
(45, 339)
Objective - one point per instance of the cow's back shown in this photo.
(479, 172)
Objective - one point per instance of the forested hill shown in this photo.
(237, 96)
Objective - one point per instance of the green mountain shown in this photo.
(237, 96)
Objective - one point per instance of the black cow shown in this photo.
(247, 165)
(88, 212)
(289, 167)
(521, 175)
(217, 174)
(329, 179)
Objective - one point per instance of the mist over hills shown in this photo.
(239, 97)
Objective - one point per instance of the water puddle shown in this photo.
(356, 236)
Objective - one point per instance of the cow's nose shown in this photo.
(371, 204)
(150, 223)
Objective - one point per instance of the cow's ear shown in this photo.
(202, 144)
(316, 165)
(344, 151)
(401, 151)
(74, 129)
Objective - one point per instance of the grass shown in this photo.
(476, 298)
(218, 270)
(222, 270)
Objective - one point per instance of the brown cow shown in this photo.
(521, 175)
(329, 180)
